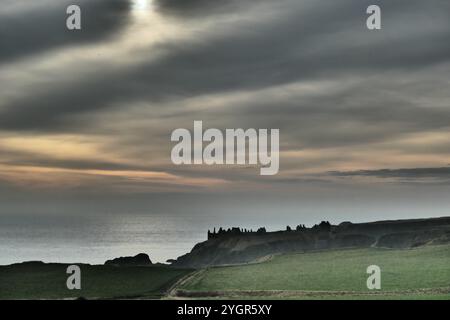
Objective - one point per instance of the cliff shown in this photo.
(237, 246)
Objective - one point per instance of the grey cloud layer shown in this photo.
(304, 42)
(27, 29)
(366, 86)
(198, 8)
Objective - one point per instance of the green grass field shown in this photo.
(49, 281)
(421, 273)
(415, 273)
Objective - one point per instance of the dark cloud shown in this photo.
(35, 29)
(410, 173)
(302, 43)
(197, 8)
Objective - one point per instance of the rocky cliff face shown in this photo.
(236, 247)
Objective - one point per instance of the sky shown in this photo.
(364, 116)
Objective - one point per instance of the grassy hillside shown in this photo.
(39, 281)
(421, 272)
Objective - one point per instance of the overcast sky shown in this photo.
(364, 116)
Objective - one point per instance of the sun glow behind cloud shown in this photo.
(139, 5)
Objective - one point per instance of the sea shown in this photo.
(95, 238)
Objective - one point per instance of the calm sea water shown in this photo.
(94, 239)
(98, 237)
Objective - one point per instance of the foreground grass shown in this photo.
(421, 273)
(49, 281)
(403, 274)
(337, 297)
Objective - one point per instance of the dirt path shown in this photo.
(183, 294)
(172, 292)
